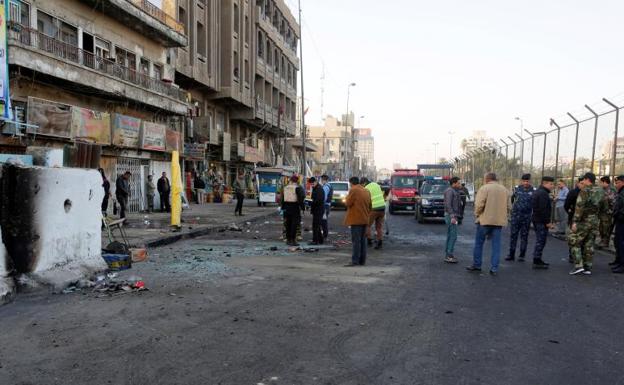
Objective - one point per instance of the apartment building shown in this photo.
(330, 140)
(364, 157)
(97, 79)
(241, 69)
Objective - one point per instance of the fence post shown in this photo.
(615, 136)
(521, 153)
(575, 147)
(544, 154)
(593, 158)
(553, 123)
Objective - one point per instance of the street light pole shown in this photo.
(346, 134)
(302, 120)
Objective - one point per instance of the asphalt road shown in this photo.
(240, 308)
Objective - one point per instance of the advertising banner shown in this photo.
(241, 150)
(172, 140)
(92, 125)
(251, 154)
(195, 151)
(153, 136)
(227, 146)
(50, 118)
(5, 99)
(126, 131)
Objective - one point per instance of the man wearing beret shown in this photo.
(522, 200)
(542, 210)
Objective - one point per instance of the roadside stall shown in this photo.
(270, 182)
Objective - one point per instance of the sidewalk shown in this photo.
(153, 230)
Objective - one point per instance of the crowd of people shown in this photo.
(580, 215)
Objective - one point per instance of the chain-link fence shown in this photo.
(571, 146)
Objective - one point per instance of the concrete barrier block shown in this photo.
(7, 286)
(51, 222)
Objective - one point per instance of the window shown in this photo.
(246, 71)
(268, 52)
(125, 58)
(144, 66)
(276, 60)
(182, 18)
(158, 71)
(102, 48)
(247, 29)
(201, 40)
(236, 19)
(46, 24)
(19, 12)
(220, 121)
(260, 45)
(68, 34)
(235, 65)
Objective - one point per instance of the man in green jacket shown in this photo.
(377, 214)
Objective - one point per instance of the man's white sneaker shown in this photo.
(577, 270)
(587, 272)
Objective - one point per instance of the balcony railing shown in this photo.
(158, 14)
(35, 39)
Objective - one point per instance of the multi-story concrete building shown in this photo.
(96, 78)
(241, 68)
(364, 152)
(477, 140)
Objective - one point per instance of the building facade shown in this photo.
(96, 79)
(127, 82)
(364, 157)
(477, 140)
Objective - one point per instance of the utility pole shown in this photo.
(304, 166)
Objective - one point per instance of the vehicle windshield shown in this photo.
(405, 181)
(269, 180)
(428, 188)
(340, 186)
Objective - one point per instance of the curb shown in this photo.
(168, 240)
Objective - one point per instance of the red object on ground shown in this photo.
(139, 285)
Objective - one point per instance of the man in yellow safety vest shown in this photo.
(377, 214)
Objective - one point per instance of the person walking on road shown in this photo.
(606, 219)
(453, 211)
(164, 190)
(122, 192)
(378, 212)
(150, 191)
(239, 191)
(465, 196)
(521, 217)
(358, 203)
(329, 197)
(317, 207)
(542, 210)
(107, 194)
(292, 203)
(617, 266)
(492, 208)
(560, 211)
(590, 206)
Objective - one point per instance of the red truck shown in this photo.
(404, 187)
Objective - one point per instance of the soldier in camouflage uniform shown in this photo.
(522, 200)
(590, 205)
(606, 219)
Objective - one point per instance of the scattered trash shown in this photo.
(266, 222)
(448, 312)
(553, 341)
(311, 249)
(233, 227)
(273, 248)
(248, 223)
(138, 255)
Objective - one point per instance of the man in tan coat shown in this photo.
(358, 204)
(492, 208)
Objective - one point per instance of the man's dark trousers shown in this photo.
(123, 205)
(164, 202)
(358, 238)
(240, 197)
(541, 235)
(317, 218)
(292, 221)
(619, 243)
(520, 225)
(325, 222)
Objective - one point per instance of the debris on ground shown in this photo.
(234, 227)
(107, 284)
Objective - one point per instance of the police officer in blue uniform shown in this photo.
(522, 200)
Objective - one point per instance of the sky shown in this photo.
(427, 68)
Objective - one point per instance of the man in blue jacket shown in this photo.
(521, 217)
(542, 214)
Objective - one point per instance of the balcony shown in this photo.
(56, 58)
(145, 18)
